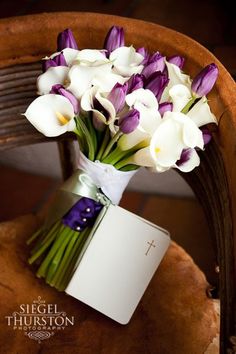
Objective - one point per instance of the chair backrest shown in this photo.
(25, 40)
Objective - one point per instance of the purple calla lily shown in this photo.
(66, 39)
(58, 60)
(129, 122)
(177, 60)
(115, 38)
(117, 96)
(205, 80)
(135, 82)
(59, 89)
(157, 83)
(156, 63)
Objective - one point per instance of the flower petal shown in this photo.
(201, 113)
(46, 111)
(53, 76)
(180, 95)
(126, 61)
(191, 161)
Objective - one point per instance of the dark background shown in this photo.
(210, 22)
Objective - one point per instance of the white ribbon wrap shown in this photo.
(106, 177)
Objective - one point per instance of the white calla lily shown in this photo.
(70, 55)
(102, 108)
(146, 103)
(180, 96)
(126, 61)
(54, 75)
(51, 115)
(176, 76)
(81, 77)
(201, 113)
(175, 133)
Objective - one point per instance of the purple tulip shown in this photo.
(117, 96)
(157, 83)
(165, 107)
(135, 82)
(58, 60)
(66, 39)
(115, 38)
(129, 122)
(156, 63)
(58, 89)
(206, 134)
(205, 80)
(177, 60)
(143, 51)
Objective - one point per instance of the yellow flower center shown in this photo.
(62, 119)
(157, 149)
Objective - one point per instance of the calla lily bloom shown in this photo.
(66, 39)
(175, 77)
(115, 38)
(53, 76)
(175, 133)
(91, 57)
(205, 80)
(57, 60)
(102, 108)
(83, 77)
(177, 60)
(60, 90)
(157, 83)
(129, 122)
(180, 96)
(165, 107)
(126, 61)
(146, 104)
(51, 115)
(173, 136)
(135, 82)
(155, 63)
(117, 96)
(201, 114)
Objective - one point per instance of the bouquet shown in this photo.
(128, 108)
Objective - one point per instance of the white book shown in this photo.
(118, 264)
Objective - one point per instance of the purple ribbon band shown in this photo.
(82, 214)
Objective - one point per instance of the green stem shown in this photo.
(111, 143)
(63, 264)
(104, 144)
(188, 105)
(73, 259)
(47, 241)
(129, 168)
(46, 236)
(124, 162)
(82, 126)
(56, 245)
(92, 132)
(57, 258)
(34, 236)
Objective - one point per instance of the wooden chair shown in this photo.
(25, 40)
